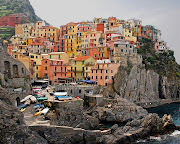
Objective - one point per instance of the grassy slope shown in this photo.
(163, 63)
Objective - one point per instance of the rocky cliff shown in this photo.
(138, 84)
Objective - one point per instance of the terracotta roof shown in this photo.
(80, 58)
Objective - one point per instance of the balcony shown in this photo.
(89, 64)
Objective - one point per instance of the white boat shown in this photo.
(26, 98)
(60, 94)
(27, 102)
(45, 111)
(33, 99)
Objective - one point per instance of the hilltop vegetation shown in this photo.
(162, 63)
(6, 32)
(18, 6)
(8, 7)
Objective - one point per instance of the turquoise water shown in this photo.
(174, 111)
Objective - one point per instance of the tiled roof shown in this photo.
(80, 58)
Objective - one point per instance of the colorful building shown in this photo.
(13, 19)
(104, 71)
(82, 65)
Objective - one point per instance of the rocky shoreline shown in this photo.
(139, 125)
(157, 103)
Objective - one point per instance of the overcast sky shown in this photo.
(163, 14)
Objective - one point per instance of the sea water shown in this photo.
(174, 138)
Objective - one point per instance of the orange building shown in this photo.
(56, 71)
(104, 71)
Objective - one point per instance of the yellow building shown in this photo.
(127, 32)
(82, 66)
(70, 45)
(60, 56)
(132, 38)
(37, 64)
(29, 41)
(18, 29)
(51, 33)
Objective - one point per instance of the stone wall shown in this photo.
(68, 135)
(78, 90)
(11, 70)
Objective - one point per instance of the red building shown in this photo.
(12, 20)
(63, 30)
(100, 27)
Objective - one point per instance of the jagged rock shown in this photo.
(150, 125)
(119, 110)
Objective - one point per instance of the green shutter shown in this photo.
(59, 56)
(50, 56)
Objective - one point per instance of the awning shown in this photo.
(89, 81)
(60, 93)
(84, 80)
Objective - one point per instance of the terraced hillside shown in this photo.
(18, 6)
(8, 7)
(6, 32)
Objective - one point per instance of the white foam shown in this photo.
(176, 132)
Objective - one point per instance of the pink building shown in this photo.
(104, 71)
(160, 46)
(83, 28)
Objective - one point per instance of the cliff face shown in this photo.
(140, 85)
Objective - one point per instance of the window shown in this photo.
(111, 71)
(86, 68)
(92, 77)
(92, 71)
(106, 71)
(101, 77)
(121, 50)
(96, 71)
(75, 62)
(54, 74)
(112, 77)
(45, 68)
(82, 62)
(107, 65)
(79, 91)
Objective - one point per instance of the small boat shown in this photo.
(26, 98)
(33, 99)
(45, 111)
(42, 99)
(22, 106)
(38, 113)
(38, 106)
(23, 109)
(63, 97)
(27, 102)
(60, 94)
